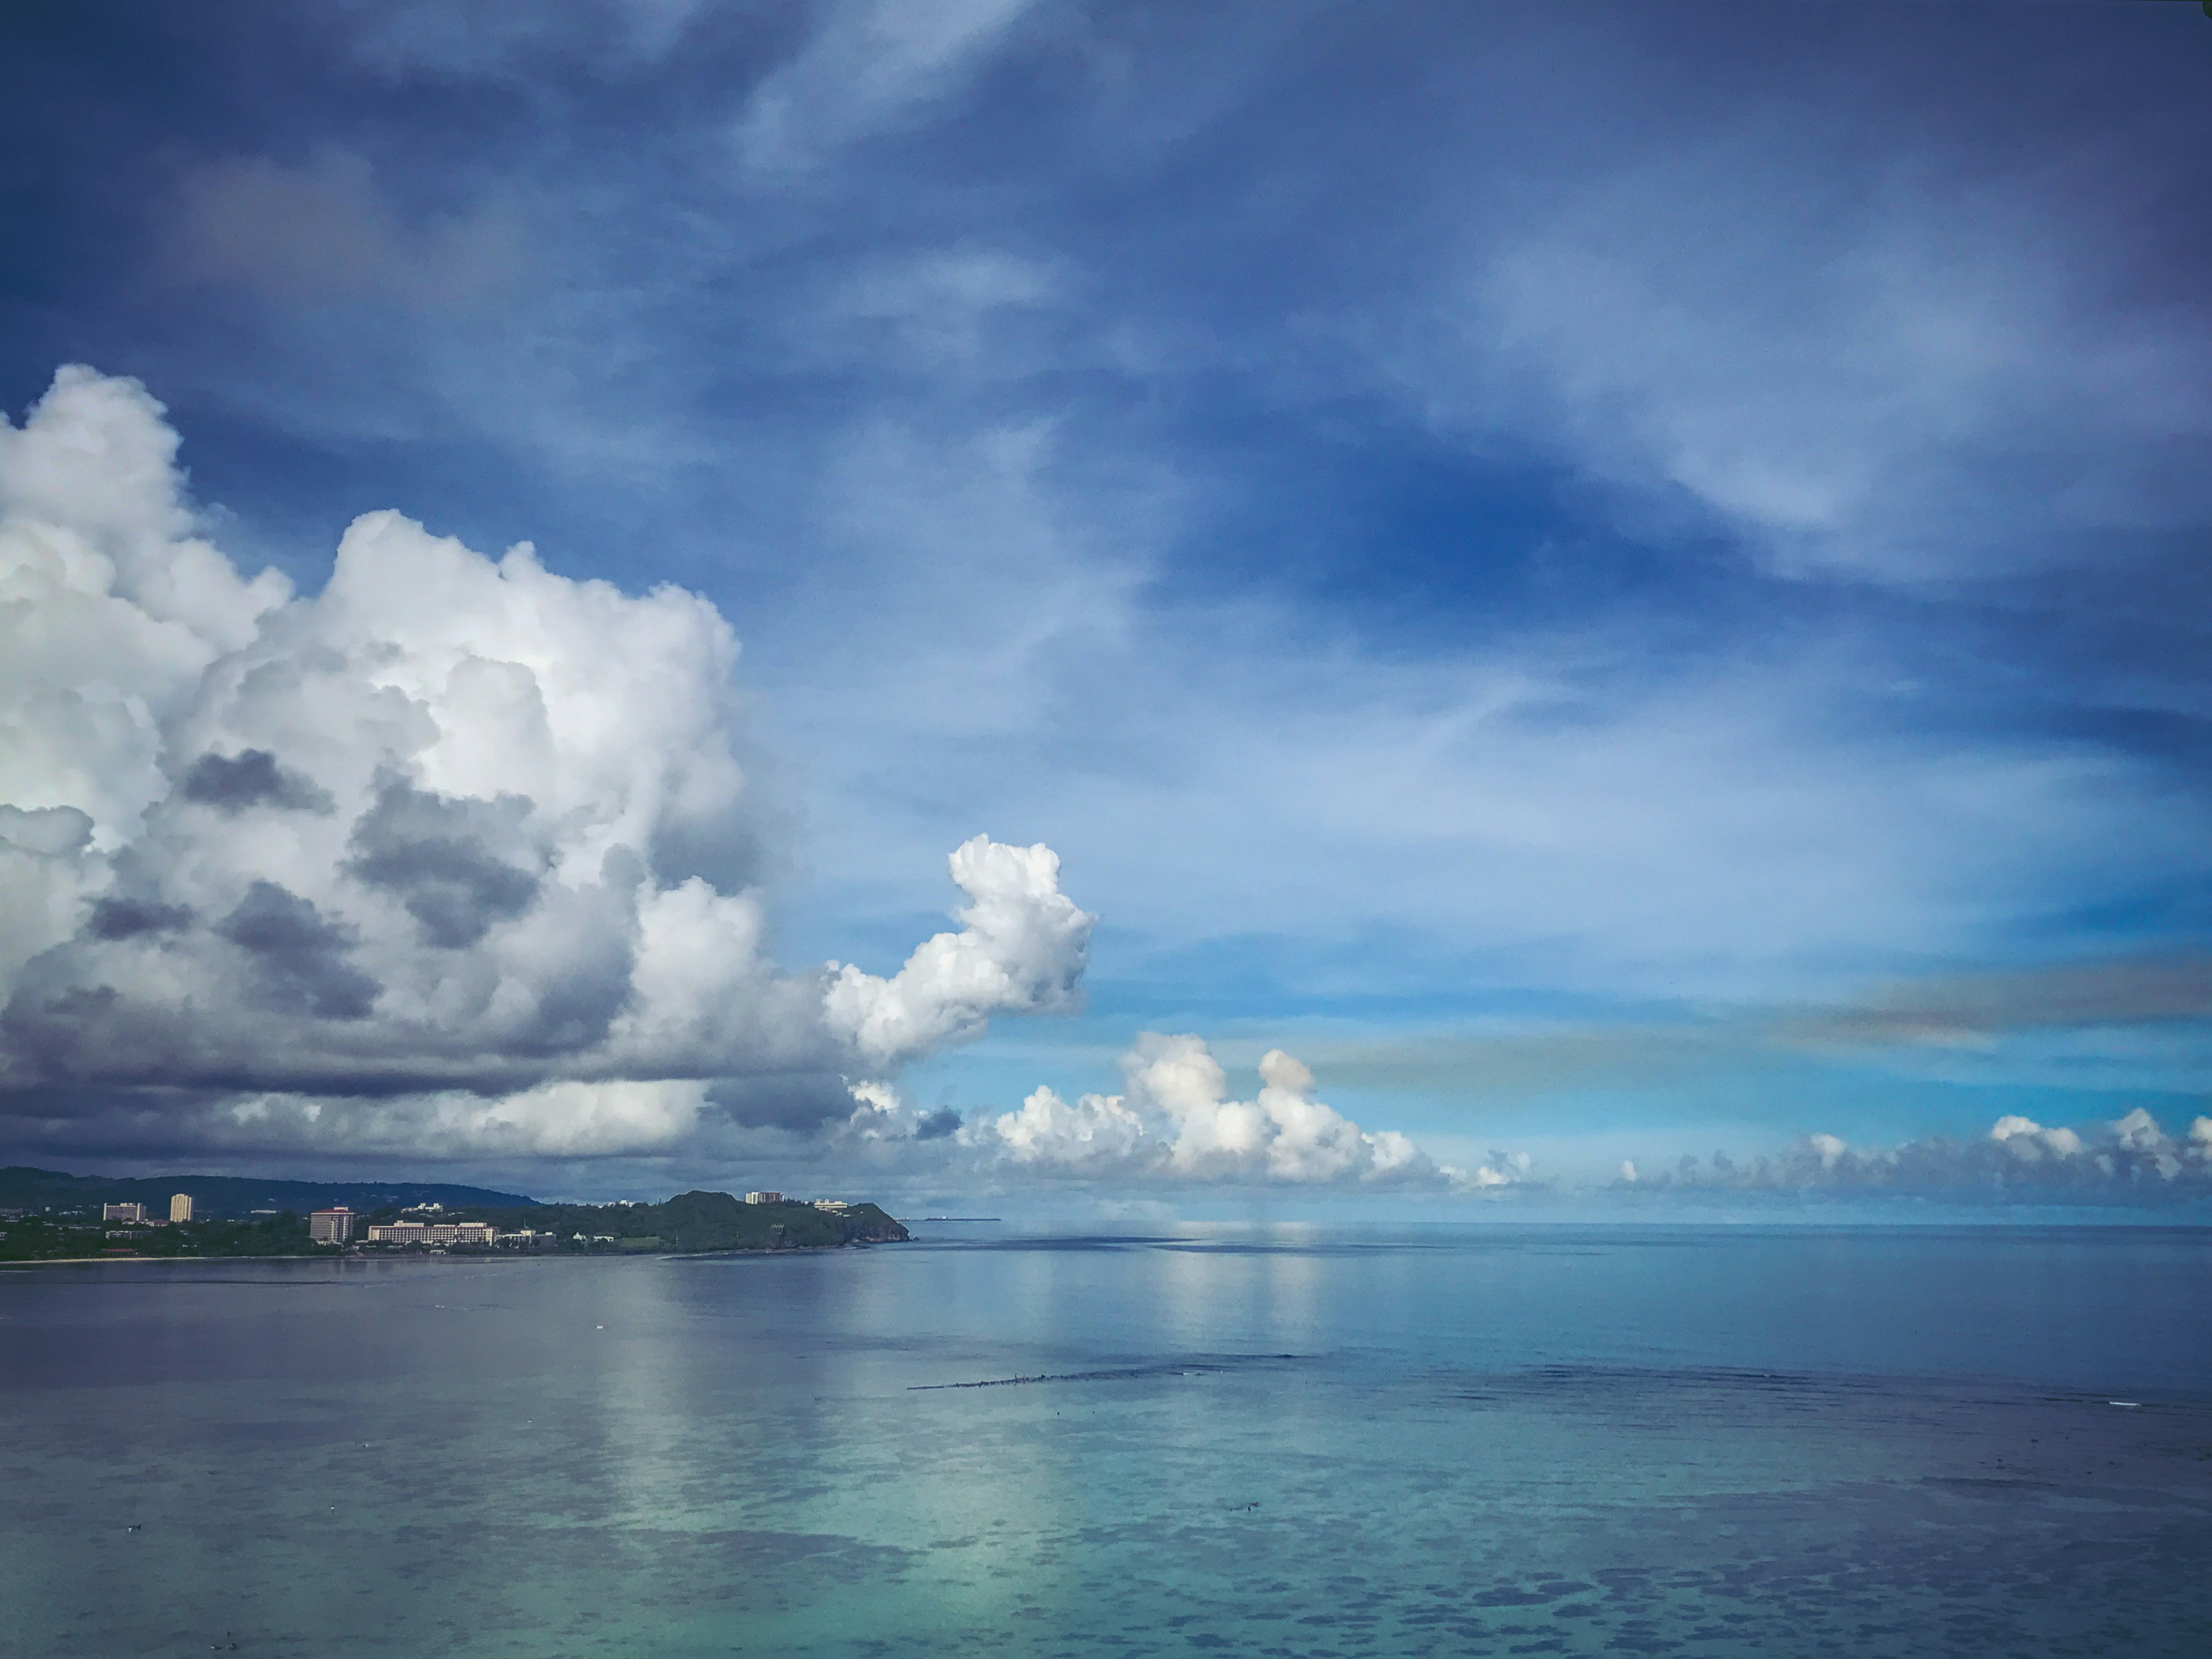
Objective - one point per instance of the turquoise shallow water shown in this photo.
(1276, 1441)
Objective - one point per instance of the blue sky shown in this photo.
(1544, 559)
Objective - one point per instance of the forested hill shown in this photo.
(689, 1221)
(235, 1196)
(701, 1221)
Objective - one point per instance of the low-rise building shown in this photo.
(333, 1226)
(831, 1204)
(763, 1197)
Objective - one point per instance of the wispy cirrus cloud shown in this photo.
(864, 69)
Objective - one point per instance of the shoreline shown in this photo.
(153, 1261)
(424, 1255)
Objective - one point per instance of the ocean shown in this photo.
(1263, 1440)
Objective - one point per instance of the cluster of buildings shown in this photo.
(336, 1226)
(134, 1215)
(341, 1226)
(778, 1198)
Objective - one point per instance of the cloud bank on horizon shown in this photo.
(2131, 1160)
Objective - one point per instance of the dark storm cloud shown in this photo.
(800, 1103)
(300, 954)
(252, 777)
(576, 1009)
(127, 918)
(939, 1125)
(438, 855)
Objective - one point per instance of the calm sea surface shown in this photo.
(1268, 1441)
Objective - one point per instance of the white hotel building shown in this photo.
(433, 1232)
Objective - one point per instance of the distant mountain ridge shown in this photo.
(219, 1197)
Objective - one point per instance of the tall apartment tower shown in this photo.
(180, 1207)
(331, 1226)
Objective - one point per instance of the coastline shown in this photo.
(153, 1261)
(424, 1255)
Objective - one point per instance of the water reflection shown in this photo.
(1282, 1438)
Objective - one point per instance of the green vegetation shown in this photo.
(695, 1221)
(65, 1235)
(688, 1222)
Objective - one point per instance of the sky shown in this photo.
(1435, 609)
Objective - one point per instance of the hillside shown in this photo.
(700, 1221)
(240, 1216)
(233, 1197)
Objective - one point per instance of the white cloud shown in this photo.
(2027, 1140)
(1098, 1132)
(1022, 945)
(2130, 1160)
(1175, 1121)
(1888, 374)
(462, 842)
(945, 311)
(564, 1118)
(868, 66)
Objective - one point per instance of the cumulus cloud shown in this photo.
(2028, 1140)
(2130, 1160)
(563, 1118)
(1176, 1120)
(1023, 945)
(457, 852)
